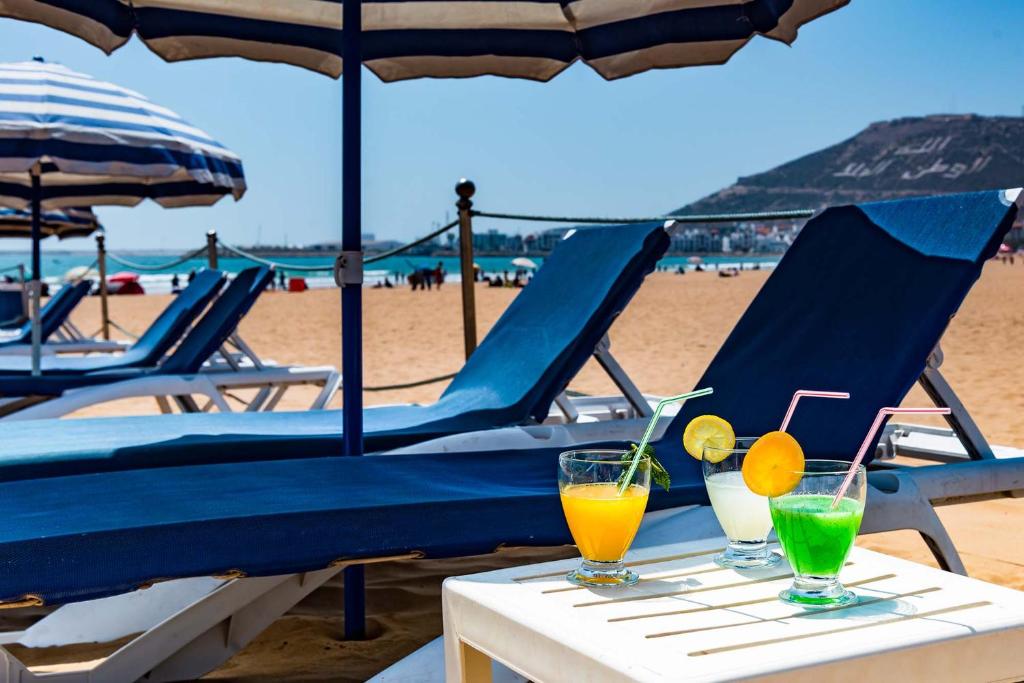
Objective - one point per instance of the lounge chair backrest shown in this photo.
(161, 335)
(221, 319)
(551, 328)
(857, 304)
(57, 310)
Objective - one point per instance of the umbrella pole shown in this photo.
(351, 290)
(36, 236)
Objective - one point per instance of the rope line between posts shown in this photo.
(272, 264)
(689, 218)
(158, 266)
(85, 272)
(328, 268)
(410, 385)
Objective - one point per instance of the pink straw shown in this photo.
(882, 414)
(810, 394)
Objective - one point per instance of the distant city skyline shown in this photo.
(576, 146)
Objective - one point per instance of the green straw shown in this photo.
(624, 484)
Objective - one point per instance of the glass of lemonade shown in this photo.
(603, 523)
(744, 516)
(817, 537)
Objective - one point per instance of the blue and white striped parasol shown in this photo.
(63, 223)
(401, 39)
(67, 139)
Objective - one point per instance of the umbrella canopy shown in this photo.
(64, 223)
(67, 139)
(97, 143)
(523, 262)
(399, 39)
(415, 38)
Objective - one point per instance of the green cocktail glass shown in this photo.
(817, 536)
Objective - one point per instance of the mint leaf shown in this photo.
(659, 474)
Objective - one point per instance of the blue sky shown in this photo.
(576, 145)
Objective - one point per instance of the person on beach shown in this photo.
(281, 280)
(175, 284)
(191, 275)
(439, 275)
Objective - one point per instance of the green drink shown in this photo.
(817, 530)
(816, 538)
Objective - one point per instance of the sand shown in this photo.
(664, 340)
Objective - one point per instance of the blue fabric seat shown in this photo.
(529, 356)
(147, 351)
(51, 316)
(864, 292)
(200, 343)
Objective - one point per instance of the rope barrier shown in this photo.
(272, 264)
(409, 385)
(689, 218)
(157, 267)
(415, 243)
(85, 272)
(237, 251)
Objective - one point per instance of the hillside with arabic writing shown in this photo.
(903, 157)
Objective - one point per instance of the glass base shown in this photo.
(602, 574)
(814, 591)
(746, 555)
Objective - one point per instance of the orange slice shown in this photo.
(773, 465)
(708, 430)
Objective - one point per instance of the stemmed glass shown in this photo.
(603, 522)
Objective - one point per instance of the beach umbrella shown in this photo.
(63, 223)
(67, 139)
(523, 262)
(400, 39)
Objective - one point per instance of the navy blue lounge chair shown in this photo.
(51, 316)
(538, 345)
(147, 351)
(201, 342)
(73, 538)
(814, 324)
(818, 322)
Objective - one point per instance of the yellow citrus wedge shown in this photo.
(708, 430)
(773, 465)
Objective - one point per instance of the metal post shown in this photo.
(101, 263)
(211, 248)
(352, 292)
(466, 189)
(37, 199)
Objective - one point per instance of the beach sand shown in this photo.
(664, 340)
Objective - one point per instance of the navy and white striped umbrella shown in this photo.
(401, 39)
(63, 223)
(97, 143)
(67, 139)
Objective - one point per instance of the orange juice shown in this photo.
(602, 522)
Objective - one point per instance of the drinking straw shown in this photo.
(809, 393)
(624, 484)
(882, 414)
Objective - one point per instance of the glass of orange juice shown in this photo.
(602, 520)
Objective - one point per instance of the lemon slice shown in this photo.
(708, 430)
(773, 465)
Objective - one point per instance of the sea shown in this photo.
(56, 266)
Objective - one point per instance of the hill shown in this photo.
(904, 157)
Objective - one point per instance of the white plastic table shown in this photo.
(690, 620)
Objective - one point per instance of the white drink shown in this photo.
(743, 514)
